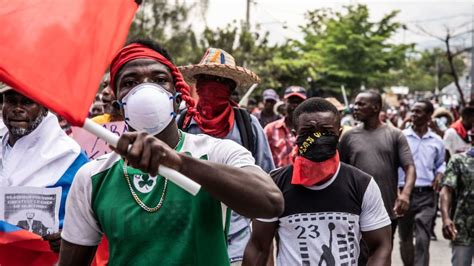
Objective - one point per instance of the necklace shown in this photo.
(137, 199)
(135, 196)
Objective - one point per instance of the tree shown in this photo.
(427, 70)
(451, 54)
(168, 24)
(278, 66)
(338, 48)
(248, 48)
(345, 48)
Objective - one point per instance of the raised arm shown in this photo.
(247, 190)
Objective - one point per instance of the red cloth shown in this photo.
(56, 52)
(215, 114)
(21, 247)
(138, 51)
(102, 254)
(459, 127)
(309, 173)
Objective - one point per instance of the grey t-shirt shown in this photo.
(379, 153)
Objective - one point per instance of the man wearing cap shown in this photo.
(215, 77)
(279, 133)
(36, 152)
(268, 115)
(147, 219)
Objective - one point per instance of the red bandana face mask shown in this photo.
(215, 114)
(309, 173)
(213, 98)
(317, 159)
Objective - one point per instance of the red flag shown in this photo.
(56, 51)
(20, 247)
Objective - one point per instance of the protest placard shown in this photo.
(93, 146)
(31, 208)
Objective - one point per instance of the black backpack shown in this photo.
(244, 124)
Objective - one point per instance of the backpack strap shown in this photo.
(243, 121)
(244, 124)
(180, 122)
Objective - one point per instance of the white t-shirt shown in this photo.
(454, 143)
(324, 224)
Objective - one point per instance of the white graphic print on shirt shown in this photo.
(331, 237)
(322, 225)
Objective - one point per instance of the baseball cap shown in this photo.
(295, 91)
(270, 94)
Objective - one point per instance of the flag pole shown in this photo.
(245, 98)
(176, 177)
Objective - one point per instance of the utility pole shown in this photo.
(437, 76)
(471, 75)
(247, 17)
(246, 29)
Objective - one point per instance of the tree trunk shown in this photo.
(450, 58)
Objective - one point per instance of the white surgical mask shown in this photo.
(148, 107)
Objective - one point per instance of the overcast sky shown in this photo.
(282, 18)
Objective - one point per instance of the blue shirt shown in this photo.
(428, 153)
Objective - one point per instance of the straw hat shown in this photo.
(336, 103)
(218, 62)
(441, 111)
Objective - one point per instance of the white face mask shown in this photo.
(148, 107)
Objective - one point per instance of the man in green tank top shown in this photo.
(147, 219)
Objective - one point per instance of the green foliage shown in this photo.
(168, 24)
(348, 49)
(249, 49)
(337, 48)
(422, 69)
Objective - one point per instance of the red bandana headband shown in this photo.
(139, 51)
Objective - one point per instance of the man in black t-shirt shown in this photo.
(329, 205)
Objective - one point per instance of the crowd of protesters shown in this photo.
(291, 180)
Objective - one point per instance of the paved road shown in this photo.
(440, 251)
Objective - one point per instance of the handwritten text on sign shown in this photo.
(92, 145)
